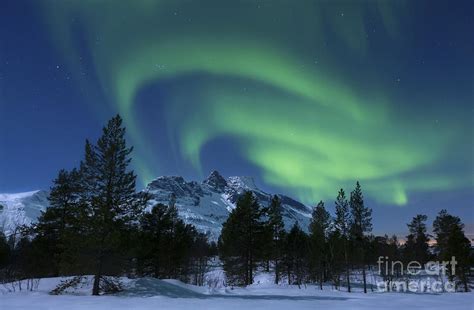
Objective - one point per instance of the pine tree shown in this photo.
(452, 242)
(58, 229)
(109, 195)
(335, 257)
(238, 243)
(459, 247)
(442, 226)
(319, 232)
(152, 250)
(416, 247)
(361, 223)
(276, 229)
(342, 225)
(296, 248)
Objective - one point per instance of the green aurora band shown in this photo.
(303, 123)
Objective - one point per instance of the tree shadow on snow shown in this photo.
(149, 287)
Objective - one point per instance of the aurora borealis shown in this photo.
(311, 95)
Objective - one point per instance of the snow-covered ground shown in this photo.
(148, 293)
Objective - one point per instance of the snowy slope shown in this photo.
(21, 209)
(207, 205)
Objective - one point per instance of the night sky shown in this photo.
(306, 96)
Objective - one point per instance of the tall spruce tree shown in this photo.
(153, 243)
(58, 229)
(416, 247)
(452, 242)
(442, 226)
(361, 223)
(342, 225)
(276, 229)
(238, 243)
(296, 249)
(459, 247)
(108, 196)
(319, 232)
(335, 262)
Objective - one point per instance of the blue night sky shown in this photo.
(306, 96)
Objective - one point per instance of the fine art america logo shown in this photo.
(432, 277)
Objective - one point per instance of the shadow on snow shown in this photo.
(149, 287)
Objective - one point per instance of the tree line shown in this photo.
(253, 238)
(97, 225)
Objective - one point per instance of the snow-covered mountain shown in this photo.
(207, 205)
(21, 209)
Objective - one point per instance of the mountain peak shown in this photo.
(207, 205)
(216, 180)
(243, 182)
